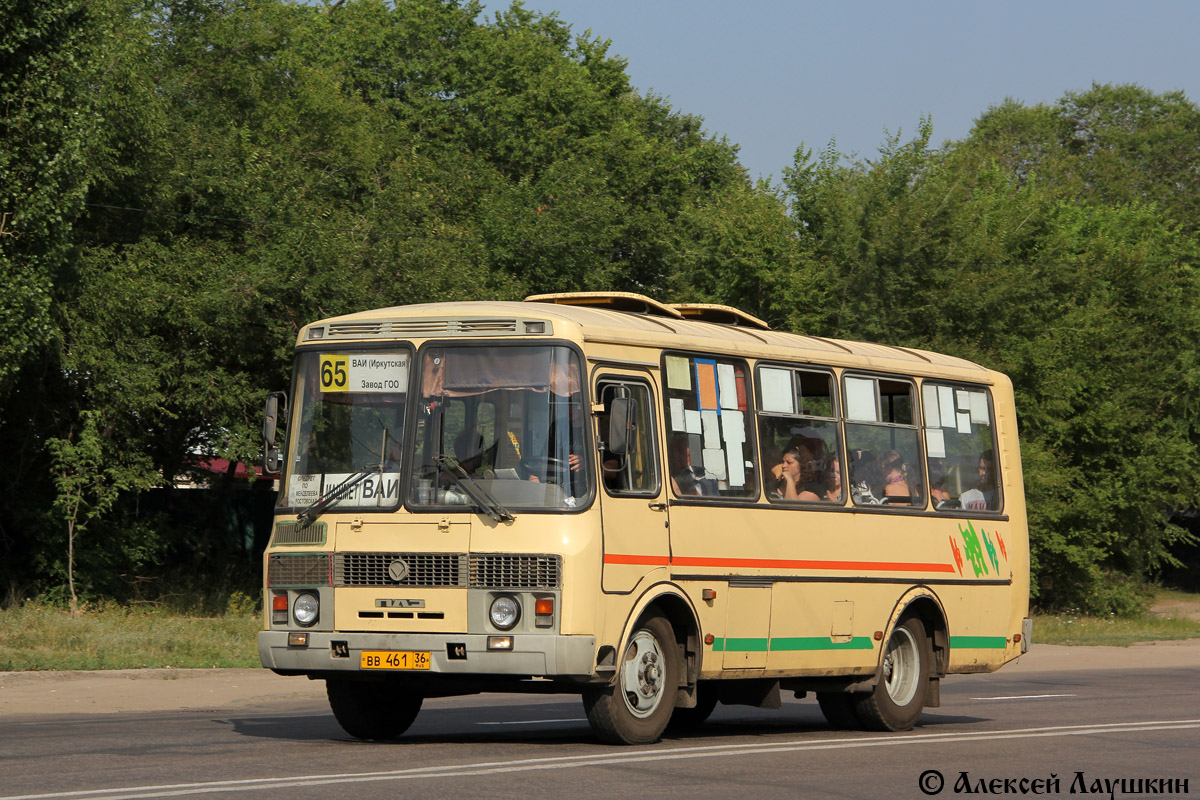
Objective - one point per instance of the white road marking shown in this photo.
(1024, 697)
(533, 721)
(603, 759)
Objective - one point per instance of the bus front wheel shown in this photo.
(636, 707)
(899, 695)
(371, 710)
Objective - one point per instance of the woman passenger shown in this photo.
(833, 481)
(796, 477)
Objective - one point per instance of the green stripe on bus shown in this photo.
(821, 643)
(760, 645)
(755, 645)
(979, 642)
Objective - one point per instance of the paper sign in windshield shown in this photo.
(374, 490)
(376, 372)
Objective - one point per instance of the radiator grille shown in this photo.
(301, 569)
(300, 533)
(423, 569)
(480, 571)
(507, 571)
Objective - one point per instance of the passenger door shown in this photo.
(632, 503)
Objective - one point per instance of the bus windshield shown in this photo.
(511, 420)
(350, 415)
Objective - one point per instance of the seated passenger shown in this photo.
(984, 495)
(865, 479)
(795, 477)
(833, 481)
(896, 488)
(685, 478)
(937, 483)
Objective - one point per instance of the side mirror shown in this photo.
(276, 405)
(621, 425)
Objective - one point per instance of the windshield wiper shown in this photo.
(476, 492)
(338, 492)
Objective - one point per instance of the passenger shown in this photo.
(984, 495)
(865, 479)
(796, 479)
(895, 478)
(685, 478)
(833, 481)
(937, 483)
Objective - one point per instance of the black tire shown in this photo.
(688, 719)
(370, 709)
(838, 708)
(899, 696)
(636, 707)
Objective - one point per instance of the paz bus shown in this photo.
(657, 507)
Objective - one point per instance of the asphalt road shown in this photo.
(1072, 730)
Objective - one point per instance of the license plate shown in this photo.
(395, 659)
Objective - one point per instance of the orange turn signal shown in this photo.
(543, 606)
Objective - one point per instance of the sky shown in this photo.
(770, 76)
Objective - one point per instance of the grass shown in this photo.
(37, 636)
(1118, 631)
(1076, 629)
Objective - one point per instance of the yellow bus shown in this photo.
(658, 507)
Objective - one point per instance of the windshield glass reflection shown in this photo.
(511, 418)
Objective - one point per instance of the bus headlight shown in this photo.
(305, 609)
(505, 612)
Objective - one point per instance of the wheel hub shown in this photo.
(643, 675)
(649, 674)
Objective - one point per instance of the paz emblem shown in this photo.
(398, 570)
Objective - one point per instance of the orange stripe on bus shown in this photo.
(652, 561)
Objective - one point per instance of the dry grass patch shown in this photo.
(36, 636)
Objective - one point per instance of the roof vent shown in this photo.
(722, 315)
(613, 301)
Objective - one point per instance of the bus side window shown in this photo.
(882, 439)
(960, 447)
(798, 434)
(710, 426)
(634, 471)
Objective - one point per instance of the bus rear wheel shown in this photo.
(637, 706)
(372, 710)
(838, 708)
(899, 696)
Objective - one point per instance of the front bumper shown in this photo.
(533, 654)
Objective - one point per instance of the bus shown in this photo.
(659, 507)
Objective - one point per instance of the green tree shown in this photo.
(90, 476)
(1110, 144)
(46, 117)
(258, 164)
